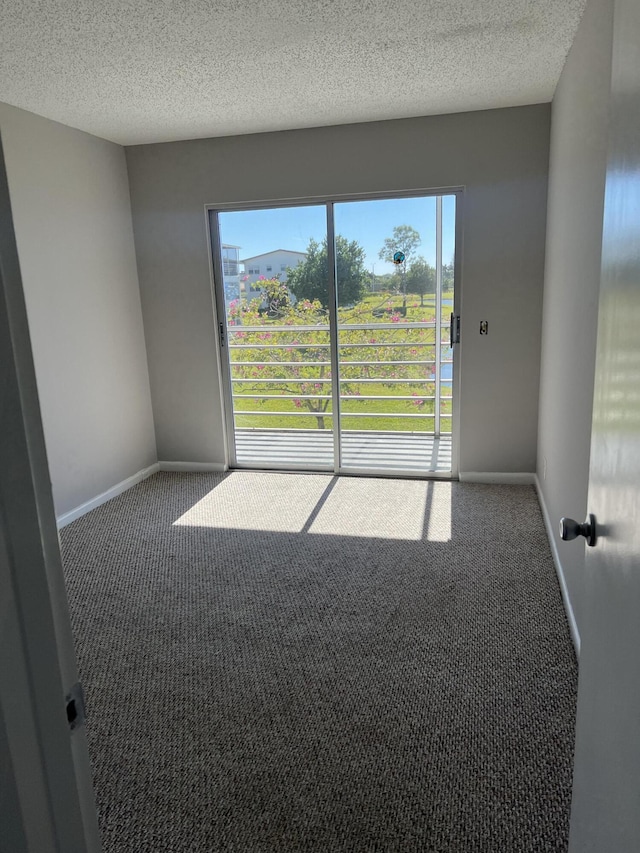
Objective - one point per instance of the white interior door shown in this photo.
(606, 799)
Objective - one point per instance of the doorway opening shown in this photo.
(338, 329)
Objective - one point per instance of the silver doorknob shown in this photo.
(570, 529)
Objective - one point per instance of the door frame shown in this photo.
(48, 768)
(214, 246)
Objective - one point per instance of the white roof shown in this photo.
(273, 252)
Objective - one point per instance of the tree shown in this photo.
(276, 295)
(404, 239)
(310, 279)
(421, 278)
(447, 275)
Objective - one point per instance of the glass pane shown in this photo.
(390, 334)
(276, 288)
(447, 309)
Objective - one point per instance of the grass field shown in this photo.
(352, 406)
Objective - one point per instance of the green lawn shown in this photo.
(355, 405)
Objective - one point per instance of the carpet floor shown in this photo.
(291, 662)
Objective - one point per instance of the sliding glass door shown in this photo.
(334, 324)
(277, 346)
(395, 364)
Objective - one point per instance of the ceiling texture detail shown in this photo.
(138, 71)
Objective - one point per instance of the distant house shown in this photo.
(268, 265)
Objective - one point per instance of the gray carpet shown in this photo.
(282, 662)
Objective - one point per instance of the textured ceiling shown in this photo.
(154, 70)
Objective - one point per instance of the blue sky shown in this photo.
(368, 222)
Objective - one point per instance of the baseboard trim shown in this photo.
(521, 478)
(573, 625)
(113, 492)
(193, 467)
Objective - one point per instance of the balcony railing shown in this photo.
(285, 372)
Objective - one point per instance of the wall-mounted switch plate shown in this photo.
(484, 327)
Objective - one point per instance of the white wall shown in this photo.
(572, 281)
(500, 156)
(71, 208)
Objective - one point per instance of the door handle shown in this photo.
(570, 529)
(221, 327)
(454, 330)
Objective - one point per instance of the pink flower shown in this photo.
(297, 404)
